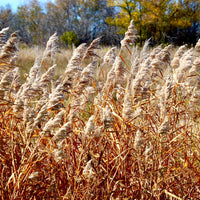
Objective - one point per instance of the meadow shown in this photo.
(117, 123)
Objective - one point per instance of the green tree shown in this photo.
(69, 38)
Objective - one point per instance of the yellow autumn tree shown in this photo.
(155, 18)
(129, 9)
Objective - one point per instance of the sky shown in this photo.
(15, 3)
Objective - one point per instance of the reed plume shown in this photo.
(130, 35)
(52, 123)
(89, 126)
(138, 139)
(5, 84)
(51, 47)
(185, 65)
(56, 98)
(88, 171)
(48, 75)
(109, 57)
(3, 37)
(10, 48)
(62, 132)
(77, 56)
(176, 60)
(164, 127)
(73, 70)
(120, 71)
(127, 112)
(197, 46)
(90, 52)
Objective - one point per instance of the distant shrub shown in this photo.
(69, 38)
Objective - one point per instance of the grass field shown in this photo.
(99, 124)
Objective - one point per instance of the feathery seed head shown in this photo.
(127, 112)
(195, 69)
(167, 89)
(62, 132)
(120, 71)
(51, 47)
(176, 60)
(90, 52)
(164, 54)
(3, 36)
(58, 154)
(48, 75)
(89, 71)
(109, 57)
(89, 126)
(164, 127)
(77, 56)
(185, 65)
(155, 51)
(55, 98)
(52, 123)
(148, 150)
(34, 72)
(41, 116)
(138, 139)
(197, 46)
(10, 48)
(16, 81)
(130, 35)
(88, 171)
(107, 117)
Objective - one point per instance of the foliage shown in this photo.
(159, 19)
(69, 38)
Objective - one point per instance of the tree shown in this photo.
(85, 18)
(185, 21)
(157, 18)
(6, 16)
(56, 19)
(128, 11)
(69, 38)
(31, 22)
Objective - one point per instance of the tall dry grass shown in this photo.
(131, 133)
(27, 56)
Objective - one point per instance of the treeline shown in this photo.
(78, 21)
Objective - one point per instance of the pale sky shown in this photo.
(15, 3)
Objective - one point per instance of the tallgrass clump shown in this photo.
(132, 133)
